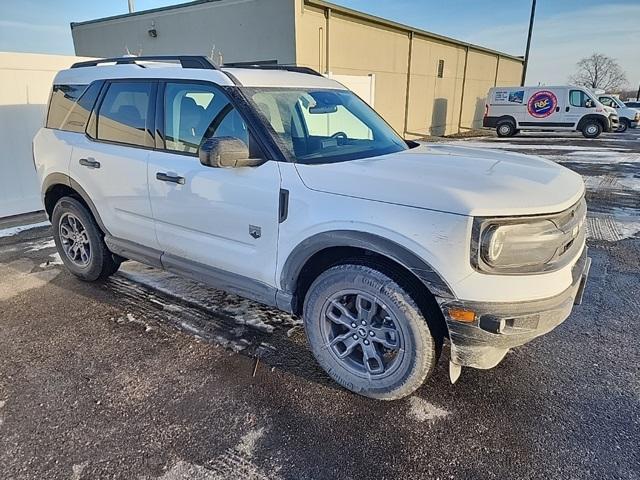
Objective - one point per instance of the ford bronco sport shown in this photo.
(281, 185)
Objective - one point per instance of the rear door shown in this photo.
(545, 108)
(110, 162)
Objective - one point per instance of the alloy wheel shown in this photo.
(75, 240)
(362, 334)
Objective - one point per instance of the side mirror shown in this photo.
(226, 152)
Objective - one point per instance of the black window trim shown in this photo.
(151, 112)
(234, 94)
(161, 142)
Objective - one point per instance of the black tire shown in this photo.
(506, 129)
(624, 125)
(99, 262)
(400, 356)
(591, 129)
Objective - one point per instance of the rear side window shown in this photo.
(125, 114)
(63, 98)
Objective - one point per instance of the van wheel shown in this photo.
(624, 125)
(80, 242)
(506, 129)
(368, 333)
(591, 129)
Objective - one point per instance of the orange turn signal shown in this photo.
(462, 315)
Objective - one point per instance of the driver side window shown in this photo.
(195, 112)
(577, 98)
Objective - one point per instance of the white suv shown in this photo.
(282, 186)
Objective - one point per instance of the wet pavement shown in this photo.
(151, 376)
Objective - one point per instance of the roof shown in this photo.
(247, 77)
(325, 5)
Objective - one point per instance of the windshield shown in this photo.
(324, 125)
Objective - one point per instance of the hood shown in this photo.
(447, 178)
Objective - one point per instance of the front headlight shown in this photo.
(528, 244)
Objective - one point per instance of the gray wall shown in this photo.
(241, 30)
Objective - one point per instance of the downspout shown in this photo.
(327, 16)
(495, 80)
(464, 81)
(406, 101)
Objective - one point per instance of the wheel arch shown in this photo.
(506, 118)
(58, 185)
(593, 117)
(324, 250)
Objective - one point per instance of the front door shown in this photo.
(579, 105)
(222, 218)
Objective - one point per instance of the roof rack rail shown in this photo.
(288, 68)
(186, 61)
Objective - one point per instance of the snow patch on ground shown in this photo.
(76, 470)
(248, 442)
(132, 319)
(42, 245)
(571, 149)
(55, 260)
(423, 411)
(9, 232)
(234, 464)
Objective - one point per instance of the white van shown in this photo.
(568, 108)
(629, 117)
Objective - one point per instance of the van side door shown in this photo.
(580, 104)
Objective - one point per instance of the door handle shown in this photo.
(165, 177)
(566, 109)
(557, 109)
(89, 162)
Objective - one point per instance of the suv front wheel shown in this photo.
(368, 333)
(80, 242)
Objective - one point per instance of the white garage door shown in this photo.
(363, 85)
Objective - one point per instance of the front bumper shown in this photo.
(634, 123)
(499, 327)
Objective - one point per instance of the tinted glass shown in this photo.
(78, 117)
(63, 98)
(124, 115)
(194, 112)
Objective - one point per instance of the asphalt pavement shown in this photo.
(149, 376)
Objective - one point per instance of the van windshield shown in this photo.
(324, 125)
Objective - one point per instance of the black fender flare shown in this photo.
(347, 238)
(58, 178)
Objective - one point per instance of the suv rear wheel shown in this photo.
(80, 241)
(368, 333)
(591, 129)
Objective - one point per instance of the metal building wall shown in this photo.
(338, 40)
(231, 30)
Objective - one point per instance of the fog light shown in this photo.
(462, 315)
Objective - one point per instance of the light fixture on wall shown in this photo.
(153, 33)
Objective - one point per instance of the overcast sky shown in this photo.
(565, 30)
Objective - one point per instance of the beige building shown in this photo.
(421, 82)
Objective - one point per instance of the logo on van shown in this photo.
(542, 104)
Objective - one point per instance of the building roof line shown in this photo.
(406, 28)
(325, 5)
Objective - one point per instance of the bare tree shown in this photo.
(599, 72)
